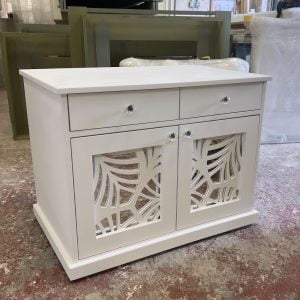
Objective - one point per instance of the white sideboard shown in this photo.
(129, 162)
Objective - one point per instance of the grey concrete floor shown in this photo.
(260, 261)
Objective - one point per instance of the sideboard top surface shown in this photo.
(88, 80)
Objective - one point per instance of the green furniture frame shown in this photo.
(27, 50)
(101, 38)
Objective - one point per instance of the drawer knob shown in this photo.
(172, 136)
(225, 100)
(130, 108)
(188, 133)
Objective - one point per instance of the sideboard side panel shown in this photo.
(52, 164)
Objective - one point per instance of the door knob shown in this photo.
(188, 133)
(172, 136)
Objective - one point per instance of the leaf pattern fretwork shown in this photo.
(215, 171)
(127, 188)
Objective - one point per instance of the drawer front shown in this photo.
(221, 99)
(98, 110)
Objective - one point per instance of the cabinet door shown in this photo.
(217, 167)
(125, 187)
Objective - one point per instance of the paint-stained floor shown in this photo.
(256, 262)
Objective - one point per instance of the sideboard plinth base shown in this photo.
(110, 259)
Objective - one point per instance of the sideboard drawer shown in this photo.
(220, 99)
(98, 110)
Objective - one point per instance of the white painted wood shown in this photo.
(113, 109)
(52, 165)
(203, 101)
(55, 241)
(116, 129)
(91, 80)
(80, 216)
(83, 150)
(84, 267)
(248, 127)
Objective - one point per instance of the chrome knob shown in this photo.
(188, 133)
(225, 100)
(130, 108)
(172, 136)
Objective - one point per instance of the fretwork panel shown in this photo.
(126, 189)
(215, 171)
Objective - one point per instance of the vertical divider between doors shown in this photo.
(178, 145)
(177, 182)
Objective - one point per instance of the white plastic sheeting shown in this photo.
(286, 13)
(293, 13)
(276, 52)
(235, 64)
